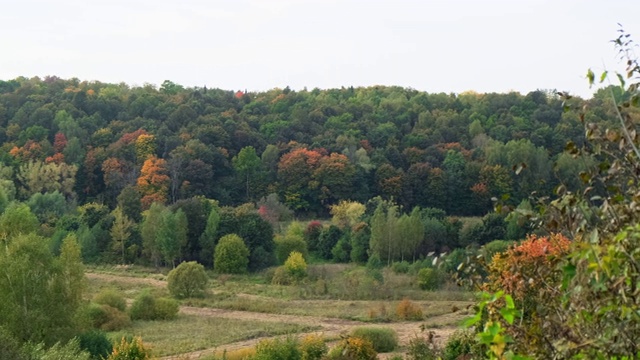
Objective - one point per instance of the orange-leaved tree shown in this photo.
(153, 182)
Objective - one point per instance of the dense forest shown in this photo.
(159, 175)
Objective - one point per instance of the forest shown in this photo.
(236, 182)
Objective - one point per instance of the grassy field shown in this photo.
(238, 311)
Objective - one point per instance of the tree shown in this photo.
(187, 280)
(16, 220)
(120, 231)
(246, 163)
(346, 214)
(172, 235)
(153, 182)
(231, 255)
(149, 231)
(36, 176)
(209, 237)
(39, 292)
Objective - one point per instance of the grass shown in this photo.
(192, 333)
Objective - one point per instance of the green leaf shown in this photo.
(590, 76)
(603, 76)
(622, 82)
(509, 300)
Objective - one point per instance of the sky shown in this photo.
(434, 46)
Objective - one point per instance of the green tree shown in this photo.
(172, 235)
(246, 163)
(17, 219)
(149, 231)
(231, 255)
(120, 232)
(209, 237)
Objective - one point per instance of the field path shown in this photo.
(329, 327)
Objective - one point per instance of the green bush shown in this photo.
(231, 255)
(400, 267)
(278, 349)
(143, 307)
(288, 244)
(460, 344)
(281, 276)
(189, 279)
(9, 346)
(96, 343)
(166, 309)
(430, 279)
(383, 339)
(111, 297)
(69, 351)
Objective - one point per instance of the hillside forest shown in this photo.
(238, 181)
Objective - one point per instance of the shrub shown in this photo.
(281, 276)
(189, 279)
(421, 348)
(69, 351)
(383, 339)
(231, 255)
(313, 347)
(166, 309)
(111, 297)
(288, 244)
(134, 350)
(295, 266)
(400, 267)
(460, 344)
(277, 349)
(430, 279)
(96, 343)
(312, 234)
(353, 348)
(143, 307)
(115, 319)
(9, 346)
(406, 310)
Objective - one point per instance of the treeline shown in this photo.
(96, 142)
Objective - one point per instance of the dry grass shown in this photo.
(191, 333)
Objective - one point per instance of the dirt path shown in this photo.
(329, 327)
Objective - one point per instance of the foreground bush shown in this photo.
(68, 351)
(134, 350)
(189, 279)
(313, 347)
(461, 344)
(406, 310)
(353, 348)
(104, 317)
(277, 349)
(383, 339)
(95, 343)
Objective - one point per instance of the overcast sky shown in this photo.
(449, 46)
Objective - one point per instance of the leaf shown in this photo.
(622, 82)
(590, 77)
(603, 76)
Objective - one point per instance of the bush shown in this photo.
(421, 348)
(143, 307)
(134, 350)
(231, 255)
(96, 343)
(353, 348)
(313, 347)
(281, 276)
(461, 344)
(111, 297)
(189, 279)
(401, 267)
(295, 266)
(383, 339)
(288, 244)
(407, 310)
(430, 279)
(69, 351)
(9, 346)
(115, 319)
(166, 309)
(277, 349)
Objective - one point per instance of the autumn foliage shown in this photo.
(153, 182)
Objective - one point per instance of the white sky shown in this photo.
(450, 46)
